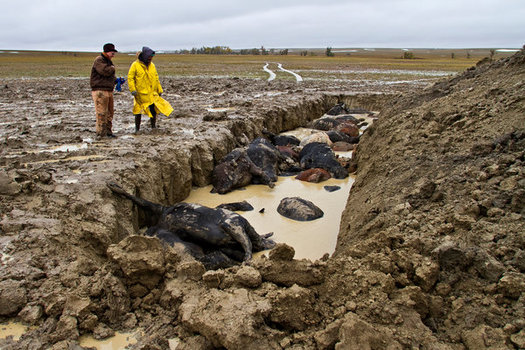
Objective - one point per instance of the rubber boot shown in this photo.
(137, 122)
(153, 121)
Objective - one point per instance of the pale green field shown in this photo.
(315, 66)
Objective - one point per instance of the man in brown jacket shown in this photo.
(102, 83)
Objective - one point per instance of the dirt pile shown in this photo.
(431, 252)
(435, 220)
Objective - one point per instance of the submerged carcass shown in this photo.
(256, 164)
(215, 236)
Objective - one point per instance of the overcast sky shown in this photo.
(85, 25)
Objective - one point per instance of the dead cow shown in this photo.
(256, 164)
(319, 155)
(215, 228)
(237, 170)
(266, 156)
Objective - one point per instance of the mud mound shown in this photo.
(437, 211)
(430, 254)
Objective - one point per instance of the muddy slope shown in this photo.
(430, 255)
(433, 236)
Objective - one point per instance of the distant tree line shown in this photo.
(216, 50)
(69, 53)
(225, 50)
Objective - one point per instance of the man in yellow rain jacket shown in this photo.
(144, 84)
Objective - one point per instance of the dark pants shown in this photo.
(138, 118)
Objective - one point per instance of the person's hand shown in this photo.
(134, 93)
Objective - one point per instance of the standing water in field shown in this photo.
(272, 76)
(297, 76)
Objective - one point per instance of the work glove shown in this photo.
(160, 94)
(134, 93)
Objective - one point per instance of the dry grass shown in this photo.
(345, 65)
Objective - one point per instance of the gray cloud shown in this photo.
(86, 25)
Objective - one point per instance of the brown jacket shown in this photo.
(102, 74)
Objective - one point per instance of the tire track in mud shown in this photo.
(298, 78)
(272, 74)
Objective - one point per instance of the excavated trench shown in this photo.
(190, 167)
(172, 177)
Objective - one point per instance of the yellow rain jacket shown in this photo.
(145, 80)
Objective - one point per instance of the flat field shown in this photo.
(374, 64)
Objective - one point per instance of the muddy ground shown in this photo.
(431, 253)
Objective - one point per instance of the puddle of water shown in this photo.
(220, 109)
(12, 329)
(117, 342)
(69, 181)
(270, 94)
(297, 76)
(270, 72)
(188, 132)
(66, 148)
(310, 239)
(426, 73)
(73, 147)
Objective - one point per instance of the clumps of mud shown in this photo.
(436, 208)
(430, 253)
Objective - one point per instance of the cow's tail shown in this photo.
(143, 203)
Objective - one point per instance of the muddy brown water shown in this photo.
(12, 329)
(310, 239)
(117, 342)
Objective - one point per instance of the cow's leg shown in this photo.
(259, 242)
(236, 231)
(255, 170)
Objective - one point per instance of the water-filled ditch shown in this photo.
(310, 239)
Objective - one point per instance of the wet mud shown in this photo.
(430, 246)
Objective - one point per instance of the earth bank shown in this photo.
(430, 253)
